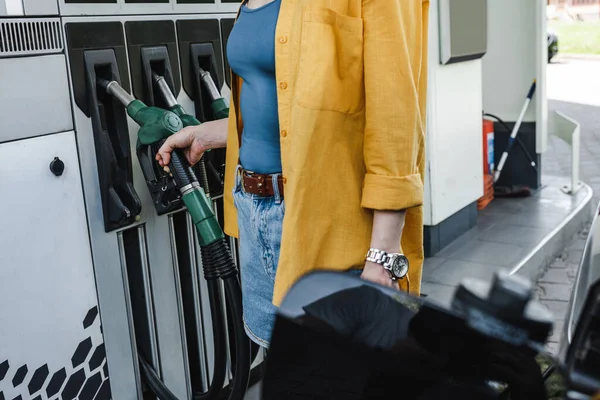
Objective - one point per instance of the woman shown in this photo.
(327, 163)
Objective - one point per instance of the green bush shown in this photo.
(577, 37)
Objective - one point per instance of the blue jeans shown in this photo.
(260, 220)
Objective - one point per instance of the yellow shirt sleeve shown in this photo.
(395, 46)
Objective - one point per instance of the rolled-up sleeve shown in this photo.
(395, 46)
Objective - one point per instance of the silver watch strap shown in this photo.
(378, 256)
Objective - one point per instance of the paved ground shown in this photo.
(573, 87)
(513, 234)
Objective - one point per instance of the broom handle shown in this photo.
(514, 132)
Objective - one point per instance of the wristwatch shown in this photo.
(395, 263)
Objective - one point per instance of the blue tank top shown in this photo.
(251, 55)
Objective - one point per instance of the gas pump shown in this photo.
(157, 125)
(105, 281)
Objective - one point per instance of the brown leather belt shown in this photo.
(260, 184)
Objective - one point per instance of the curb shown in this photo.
(536, 262)
(574, 56)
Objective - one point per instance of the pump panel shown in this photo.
(51, 342)
(131, 286)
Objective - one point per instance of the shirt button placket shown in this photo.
(283, 49)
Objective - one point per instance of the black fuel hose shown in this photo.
(241, 373)
(216, 259)
(218, 264)
(153, 380)
(183, 175)
(203, 176)
(219, 344)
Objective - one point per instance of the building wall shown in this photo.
(517, 54)
(454, 177)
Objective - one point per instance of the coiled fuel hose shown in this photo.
(157, 124)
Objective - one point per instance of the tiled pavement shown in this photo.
(573, 89)
(518, 235)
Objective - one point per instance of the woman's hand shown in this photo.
(375, 273)
(194, 141)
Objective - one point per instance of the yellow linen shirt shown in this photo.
(352, 82)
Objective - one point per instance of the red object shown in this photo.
(488, 192)
(488, 179)
(488, 127)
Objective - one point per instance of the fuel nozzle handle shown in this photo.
(171, 101)
(156, 125)
(186, 119)
(218, 105)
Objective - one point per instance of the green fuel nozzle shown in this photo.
(156, 125)
(186, 119)
(171, 101)
(218, 105)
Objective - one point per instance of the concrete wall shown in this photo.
(454, 177)
(517, 54)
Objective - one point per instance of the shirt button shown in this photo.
(283, 85)
(284, 133)
(284, 180)
(283, 39)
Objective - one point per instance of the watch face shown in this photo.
(400, 267)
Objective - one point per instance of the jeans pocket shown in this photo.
(236, 192)
(270, 228)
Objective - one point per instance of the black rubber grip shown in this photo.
(531, 91)
(182, 173)
(217, 261)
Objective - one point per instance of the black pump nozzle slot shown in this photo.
(156, 67)
(152, 46)
(200, 48)
(120, 203)
(202, 57)
(157, 77)
(103, 83)
(206, 82)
